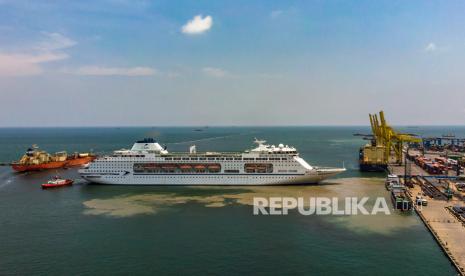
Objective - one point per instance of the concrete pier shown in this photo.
(415, 170)
(448, 231)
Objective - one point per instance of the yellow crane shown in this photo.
(385, 136)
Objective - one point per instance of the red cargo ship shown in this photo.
(37, 160)
(79, 159)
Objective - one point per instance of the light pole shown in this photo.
(405, 164)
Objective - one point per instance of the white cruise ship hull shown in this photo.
(213, 179)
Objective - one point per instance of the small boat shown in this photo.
(57, 182)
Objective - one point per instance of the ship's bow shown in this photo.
(327, 172)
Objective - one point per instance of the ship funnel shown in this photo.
(193, 149)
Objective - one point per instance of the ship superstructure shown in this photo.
(148, 163)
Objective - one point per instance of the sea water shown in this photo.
(101, 229)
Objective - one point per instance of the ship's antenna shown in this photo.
(343, 165)
(259, 142)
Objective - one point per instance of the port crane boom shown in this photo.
(392, 140)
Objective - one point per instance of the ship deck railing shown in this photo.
(202, 154)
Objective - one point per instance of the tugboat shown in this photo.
(57, 182)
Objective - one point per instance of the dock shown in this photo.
(426, 172)
(447, 229)
(400, 169)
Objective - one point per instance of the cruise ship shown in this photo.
(148, 163)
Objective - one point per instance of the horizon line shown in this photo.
(214, 126)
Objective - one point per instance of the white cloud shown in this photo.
(431, 47)
(30, 62)
(215, 72)
(270, 76)
(171, 75)
(55, 41)
(198, 25)
(114, 71)
(276, 13)
(25, 65)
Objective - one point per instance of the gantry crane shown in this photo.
(384, 135)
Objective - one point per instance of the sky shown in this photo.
(231, 63)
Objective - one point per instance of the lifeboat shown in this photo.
(169, 167)
(214, 168)
(57, 182)
(200, 168)
(185, 167)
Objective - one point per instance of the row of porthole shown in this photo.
(207, 160)
(199, 177)
(217, 177)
